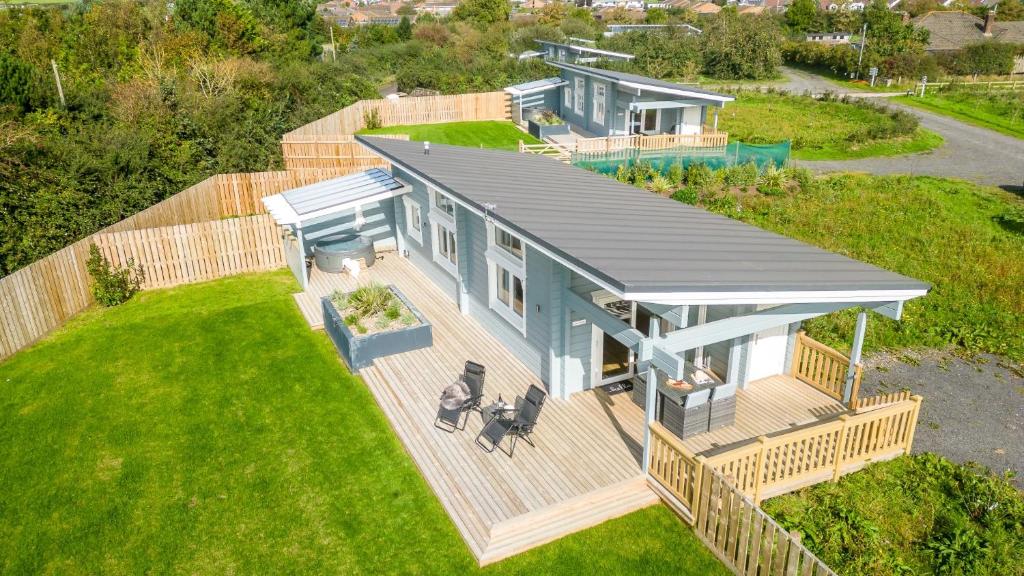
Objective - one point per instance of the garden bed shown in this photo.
(374, 321)
(544, 123)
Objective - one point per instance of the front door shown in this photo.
(612, 361)
(768, 353)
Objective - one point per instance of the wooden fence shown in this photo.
(871, 402)
(641, 142)
(728, 521)
(412, 110)
(823, 368)
(988, 85)
(43, 295)
(332, 152)
(185, 253)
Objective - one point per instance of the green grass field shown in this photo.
(817, 130)
(207, 430)
(999, 111)
(966, 240)
(502, 135)
(918, 515)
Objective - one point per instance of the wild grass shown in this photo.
(1002, 111)
(962, 238)
(824, 129)
(207, 430)
(917, 514)
(502, 135)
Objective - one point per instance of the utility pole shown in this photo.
(863, 41)
(60, 89)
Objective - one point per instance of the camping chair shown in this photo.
(473, 377)
(536, 396)
(521, 426)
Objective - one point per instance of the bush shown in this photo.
(700, 177)
(982, 58)
(740, 175)
(371, 119)
(772, 180)
(112, 286)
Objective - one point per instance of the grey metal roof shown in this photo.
(616, 76)
(631, 239)
(338, 191)
(537, 85)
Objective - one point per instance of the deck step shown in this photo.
(552, 522)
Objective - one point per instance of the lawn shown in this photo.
(503, 135)
(966, 240)
(1002, 111)
(913, 515)
(205, 429)
(823, 130)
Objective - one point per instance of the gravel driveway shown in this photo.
(972, 410)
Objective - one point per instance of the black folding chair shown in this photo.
(536, 396)
(473, 376)
(518, 427)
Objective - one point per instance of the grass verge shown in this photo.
(823, 129)
(917, 514)
(978, 109)
(502, 135)
(205, 429)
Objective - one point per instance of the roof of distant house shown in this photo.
(952, 30)
(646, 83)
(706, 8)
(644, 246)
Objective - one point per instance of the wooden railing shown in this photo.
(780, 464)
(871, 402)
(822, 367)
(564, 151)
(726, 519)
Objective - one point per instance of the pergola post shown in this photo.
(716, 119)
(858, 343)
(302, 258)
(651, 399)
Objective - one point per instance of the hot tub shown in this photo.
(330, 251)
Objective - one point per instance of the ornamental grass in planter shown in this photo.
(372, 308)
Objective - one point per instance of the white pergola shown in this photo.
(295, 208)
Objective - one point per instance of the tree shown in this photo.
(802, 15)
(656, 16)
(741, 47)
(482, 12)
(1008, 10)
(407, 9)
(20, 84)
(404, 29)
(888, 35)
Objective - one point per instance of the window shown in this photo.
(446, 244)
(507, 275)
(568, 98)
(444, 204)
(599, 103)
(509, 293)
(581, 88)
(413, 220)
(651, 119)
(508, 242)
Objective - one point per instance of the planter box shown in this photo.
(542, 131)
(360, 350)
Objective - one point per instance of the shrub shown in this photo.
(740, 175)
(686, 195)
(675, 174)
(371, 119)
(699, 176)
(660, 185)
(112, 286)
(772, 180)
(371, 299)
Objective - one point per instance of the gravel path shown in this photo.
(972, 410)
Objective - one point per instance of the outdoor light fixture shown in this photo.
(426, 148)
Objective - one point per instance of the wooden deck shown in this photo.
(772, 405)
(584, 470)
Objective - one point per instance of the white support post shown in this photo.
(716, 119)
(858, 343)
(302, 258)
(650, 401)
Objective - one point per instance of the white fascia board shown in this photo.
(790, 297)
(516, 92)
(686, 93)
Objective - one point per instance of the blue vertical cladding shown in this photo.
(378, 224)
(533, 348)
(420, 254)
(578, 355)
(586, 121)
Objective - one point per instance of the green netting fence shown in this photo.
(661, 160)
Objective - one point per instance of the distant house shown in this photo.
(834, 5)
(952, 31)
(829, 37)
(577, 53)
(750, 10)
(609, 103)
(439, 8)
(706, 8)
(613, 29)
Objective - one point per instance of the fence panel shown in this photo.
(822, 367)
(332, 152)
(185, 253)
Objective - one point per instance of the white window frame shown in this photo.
(581, 95)
(657, 121)
(498, 258)
(412, 207)
(442, 222)
(567, 101)
(600, 102)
